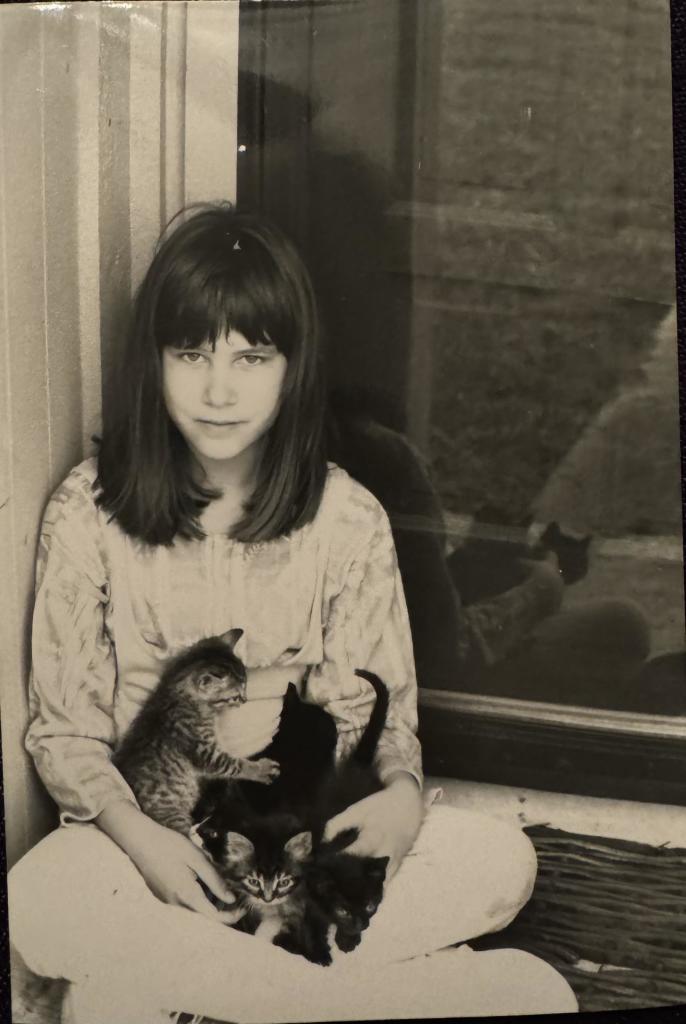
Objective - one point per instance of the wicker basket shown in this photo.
(610, 915)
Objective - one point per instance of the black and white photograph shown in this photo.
(342, 613)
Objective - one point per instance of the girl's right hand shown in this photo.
(171, 864)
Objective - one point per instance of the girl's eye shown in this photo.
(190, 357)
(253, 359)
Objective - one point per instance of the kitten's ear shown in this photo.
(291, 694)
(194, 834)
(300, 846)
(343, 839)
(231, 637)
(552, 533)
(238, 847)
(377, 867)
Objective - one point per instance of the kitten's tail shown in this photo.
(366, 748)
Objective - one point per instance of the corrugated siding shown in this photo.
(107, 117)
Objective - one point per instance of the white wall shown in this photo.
(111, 118)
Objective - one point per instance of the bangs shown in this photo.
(232, 284)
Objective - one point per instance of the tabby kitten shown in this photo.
(171, 745)
(263, 860)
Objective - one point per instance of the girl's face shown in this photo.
(223, 401)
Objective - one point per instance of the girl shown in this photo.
(210, 505)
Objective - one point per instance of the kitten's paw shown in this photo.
(321, 957)
(346, 943)
(266, 770)
(286, 941)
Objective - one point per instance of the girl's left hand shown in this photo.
(388, 821)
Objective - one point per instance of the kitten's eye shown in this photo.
(206, 680)
(284, 883)
(370, 908)
(252, 882)
(342, 912)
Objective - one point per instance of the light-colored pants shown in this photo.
(80, 910)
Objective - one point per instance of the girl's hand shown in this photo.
(171, 864)
(388, 821)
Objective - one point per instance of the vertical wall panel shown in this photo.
(145, 129)
(86, 72)
(95, 107)
(211, 100)
(173, 187)
(61, 224)
(114, 182)
(26, 429)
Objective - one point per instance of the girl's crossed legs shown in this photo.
(80, 910)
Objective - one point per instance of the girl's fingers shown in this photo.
(338, 824)
(192, 898)
(230, 916)
(208, 874)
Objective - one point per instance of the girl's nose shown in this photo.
(219, 388)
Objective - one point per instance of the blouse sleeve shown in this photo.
(73, 675)
(366, 626)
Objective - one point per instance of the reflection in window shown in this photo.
(484, 195)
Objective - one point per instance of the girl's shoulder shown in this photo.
(73, 501)
(349, 510)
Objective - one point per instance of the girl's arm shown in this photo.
(73, 679)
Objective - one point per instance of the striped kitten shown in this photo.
(170, 748)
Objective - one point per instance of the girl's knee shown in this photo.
(534, 985)
(61, 896)
(512, 888)
(498, 857)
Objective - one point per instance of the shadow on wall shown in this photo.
(334, 206)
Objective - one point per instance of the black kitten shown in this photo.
(305, 748)
(346, 888)
(572, 552)
(355, 777)
(483, 567)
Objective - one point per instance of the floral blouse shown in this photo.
(110, 611)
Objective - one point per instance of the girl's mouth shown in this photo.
(218, 425)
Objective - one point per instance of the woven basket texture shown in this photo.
(610, 915)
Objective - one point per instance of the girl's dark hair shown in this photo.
(220, 269)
